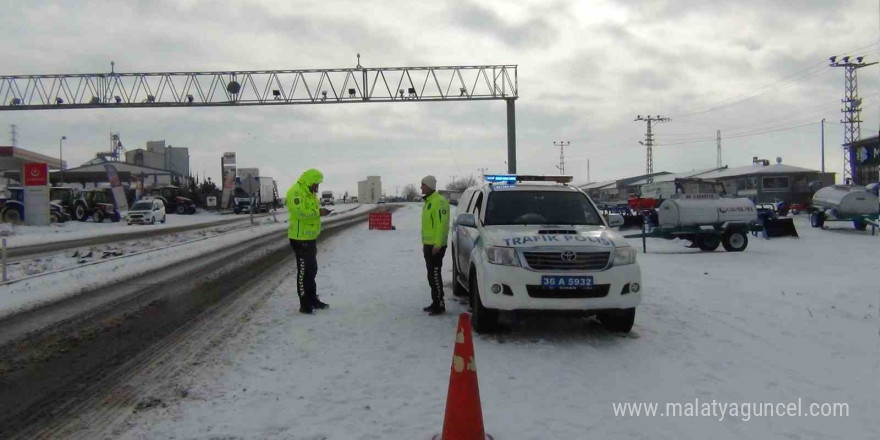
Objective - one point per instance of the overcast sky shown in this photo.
(586, 70)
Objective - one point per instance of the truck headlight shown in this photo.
(624, 255)
(502, 255)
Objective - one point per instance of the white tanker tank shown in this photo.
(846, 201)
(683, 210)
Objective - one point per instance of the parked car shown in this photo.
(96, 204)
(173, 200)
(147, 211)
(382, 201)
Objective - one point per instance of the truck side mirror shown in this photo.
(466, 220)
(615, 220)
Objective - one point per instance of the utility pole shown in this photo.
(718, 140)
(561, 145)
(823, 145)
(14, 136)
(588, 172)
(649, 143)
(851, 110)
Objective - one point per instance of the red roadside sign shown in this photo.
(380, 220)
(36, 174)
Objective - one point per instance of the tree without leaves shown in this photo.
(461, 183)
(410, 192)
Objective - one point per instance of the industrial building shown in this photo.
(155, 165)
(370, 190)
(614, 190)
(765, 183)
(158, 156)
(93, 175)
(761, 182)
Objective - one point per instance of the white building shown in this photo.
(370, 190)
(157, 155)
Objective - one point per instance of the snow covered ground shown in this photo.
(787, 319)
(95, 253)
(66, 276)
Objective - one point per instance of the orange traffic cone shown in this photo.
(464, 416)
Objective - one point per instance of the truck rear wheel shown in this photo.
(11, 215)
(180, 209)
(457, 288)
(80, 213)
(735, 241)
(708, 243)
(860, 226)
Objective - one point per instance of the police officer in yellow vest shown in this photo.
(305, 225)
(435, 231)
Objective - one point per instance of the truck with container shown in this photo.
(326, 198)
(845, 203)
(262, 191)
(706, 220)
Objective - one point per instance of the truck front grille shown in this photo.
(558, 261)
(597, 291)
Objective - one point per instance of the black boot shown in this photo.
(317, 304)
(428, 309)
(437, 309)
(306, 310)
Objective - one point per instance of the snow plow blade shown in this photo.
(632, 221)
(779, 227)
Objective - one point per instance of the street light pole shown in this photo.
(61, 160)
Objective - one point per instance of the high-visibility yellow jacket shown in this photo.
(303, 206)
(435, 220)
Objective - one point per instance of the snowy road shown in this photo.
(785, 320)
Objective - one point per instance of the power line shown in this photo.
(807, 112)
(794, 78)
(739, 135)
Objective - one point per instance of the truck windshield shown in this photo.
(540, 208)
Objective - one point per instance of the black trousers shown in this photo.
(306, 252)
(434, 263)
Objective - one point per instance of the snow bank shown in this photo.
(33, 292)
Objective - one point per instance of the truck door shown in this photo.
(469, 235)
(458, 231)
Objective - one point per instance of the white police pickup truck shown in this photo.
(535, 243)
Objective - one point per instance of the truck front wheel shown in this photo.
(619, 320)
(484, 320)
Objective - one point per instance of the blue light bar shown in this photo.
(513, 178)
(501, 178)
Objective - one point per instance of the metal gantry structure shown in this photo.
(266, 87)
(649, 144)
(852, 107)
